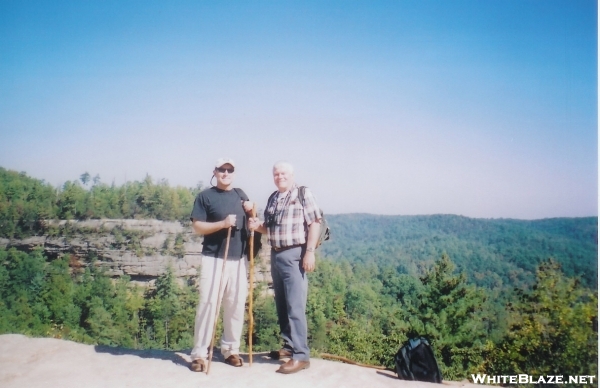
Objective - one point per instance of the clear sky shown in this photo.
(478, 108)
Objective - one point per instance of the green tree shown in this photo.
(452, 314)
(168, 315)
(23, 280)
(266, 330)
(71, 201)
(57, 295)
(552, 329)
(85, 178)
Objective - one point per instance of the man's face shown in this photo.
(283, 178)
(224, 175)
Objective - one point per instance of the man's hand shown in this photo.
(248, 206)
(253, 223)
(308, 261)
(229, 221)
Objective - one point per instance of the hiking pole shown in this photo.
(212, 341)
(250, 316)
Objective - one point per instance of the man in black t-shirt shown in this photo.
(215, 211)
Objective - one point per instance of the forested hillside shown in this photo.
(494, 253)
(379, 281)
(26, 202)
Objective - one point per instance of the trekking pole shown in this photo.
(212, 341)
(250, 316)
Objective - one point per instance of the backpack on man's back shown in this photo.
(325, 232)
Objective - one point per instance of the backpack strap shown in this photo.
(271, 197)
(301, 190)
(241, 193)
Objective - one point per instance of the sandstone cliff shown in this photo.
(141, 249)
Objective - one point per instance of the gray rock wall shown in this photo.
(141, 249)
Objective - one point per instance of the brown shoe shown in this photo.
(234, 360)
(293, 366)
(281, 353)
(198, 365)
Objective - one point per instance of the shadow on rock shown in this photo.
(258, 358)
(182, 357)
(179, 358)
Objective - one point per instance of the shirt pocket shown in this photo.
(296, 205)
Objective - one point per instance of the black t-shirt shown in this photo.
(214, 205)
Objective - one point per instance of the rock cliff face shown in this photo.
(141, 249)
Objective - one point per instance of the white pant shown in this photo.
(233, 296)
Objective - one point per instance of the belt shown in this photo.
(285, 248)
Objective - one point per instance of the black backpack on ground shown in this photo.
(415, 361)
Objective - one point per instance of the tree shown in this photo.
(452, 314)
(168, 316)
(85, 178)
(552, 329)
(266, 330)
(57, 294)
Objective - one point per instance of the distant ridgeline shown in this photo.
(380, 280)
(494, 253)
(491, 252)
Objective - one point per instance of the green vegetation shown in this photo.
(494, 253)
(358, 311)
(552, 329)
(41, 298)
(493, 296)
(26, 203)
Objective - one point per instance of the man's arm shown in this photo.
(204, 228)
(256, 225)
(308, 261)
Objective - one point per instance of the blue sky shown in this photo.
(479, 108)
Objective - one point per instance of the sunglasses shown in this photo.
(223, 169)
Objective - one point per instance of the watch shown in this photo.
(310, 249)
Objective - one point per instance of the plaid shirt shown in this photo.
(286, 218)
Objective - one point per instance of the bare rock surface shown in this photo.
(47, 362)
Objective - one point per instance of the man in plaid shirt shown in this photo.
(293, 230)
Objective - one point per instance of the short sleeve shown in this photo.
(312, 212)
(199, 210)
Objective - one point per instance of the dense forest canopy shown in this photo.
(26, 202)
(493, 252)
(357, 311)
(379, 281)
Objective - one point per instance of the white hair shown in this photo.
(284, 165)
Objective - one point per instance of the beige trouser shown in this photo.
(233, 296)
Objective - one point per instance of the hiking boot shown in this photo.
(198, 365)
(234, 360)
(281, 353)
